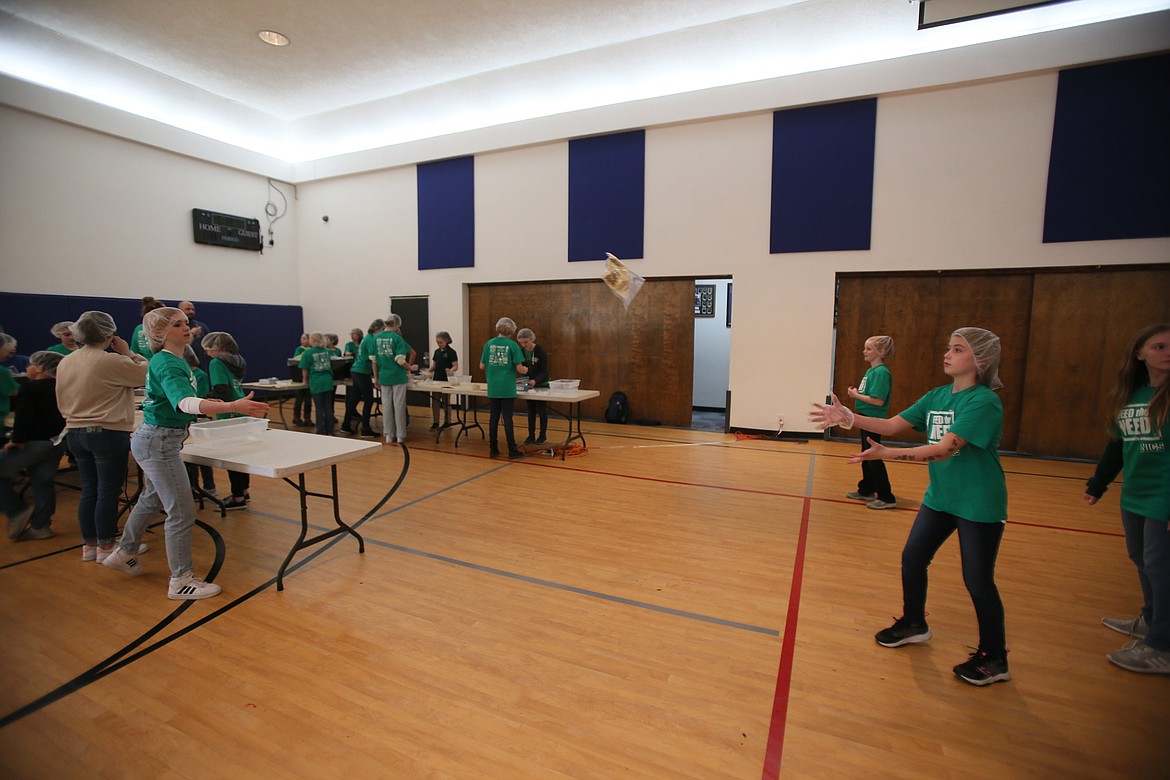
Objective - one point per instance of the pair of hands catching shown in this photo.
(836, 414)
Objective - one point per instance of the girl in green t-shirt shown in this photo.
(226, 374)
(170, 406)
(872, 399)
(967, 493)
(1139, 447)
(318, 368)
(303, 400)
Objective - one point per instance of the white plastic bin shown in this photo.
(231, 429)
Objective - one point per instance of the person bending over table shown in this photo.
(171, 404)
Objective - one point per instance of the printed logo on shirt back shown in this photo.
(499, 355)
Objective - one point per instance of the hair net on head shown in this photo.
(883, 344)
(46, 361)
(393, 321)
(526, 333)
(94, 327)
(985, 347)
(60, 328)
(221, 341)
(157, 322)
(505, 326)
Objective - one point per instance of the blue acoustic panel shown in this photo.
(607, 196)
(446, 214)
(822, 177)
(267, 334)
(1109, 170)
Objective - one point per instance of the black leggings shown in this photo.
(874, 478)
(978, 548)
(501, 407)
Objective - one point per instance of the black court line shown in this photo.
(536, 580)
(112, 664)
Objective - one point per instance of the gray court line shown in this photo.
(535, 580)
(808, 485)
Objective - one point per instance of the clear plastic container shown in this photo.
(231, 429)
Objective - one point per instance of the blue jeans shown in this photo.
(1147, 541)
(101, 463)
(40, 459)
(978, 549)
(167, 489)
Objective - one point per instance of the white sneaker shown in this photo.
(100, 555)
(120, 560)
(189, 588)
(89, 553)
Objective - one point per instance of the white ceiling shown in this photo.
(364, 74)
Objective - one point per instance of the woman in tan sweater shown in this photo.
(95, 393)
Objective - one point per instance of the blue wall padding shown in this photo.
(446, 214)
(267, 334)
(822, 177)
(1109, 170)
(607, 196)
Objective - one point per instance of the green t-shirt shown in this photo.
(8, 386)
(500, 357)
(220, 374)
(140, 343)
(60, 349)
(361, 363)
(316, 360)
(202, 382)
(970, 484)
(387, 345)
(1146, 453)
(876, 383)
(168, 381)
(351, 348)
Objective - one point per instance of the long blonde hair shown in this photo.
(1134, 374)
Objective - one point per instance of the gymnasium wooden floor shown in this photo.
(672, 604)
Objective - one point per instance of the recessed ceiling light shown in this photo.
(273, 38)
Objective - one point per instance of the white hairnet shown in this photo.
(985, 347)
(94, 327)
(157, 323)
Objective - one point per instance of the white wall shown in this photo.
(712, 370)
(960, 177)
(88, 214)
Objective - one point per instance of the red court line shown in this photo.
(775, 745)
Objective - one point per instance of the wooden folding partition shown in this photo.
(646, 351)
(1063, 332)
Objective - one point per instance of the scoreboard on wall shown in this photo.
(217, 229)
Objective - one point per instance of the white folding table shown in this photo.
(281, 454)
(479, 390)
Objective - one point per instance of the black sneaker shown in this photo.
(903, 632)
(235, 503)
(514, 453)
(540, 439)
(434, 426)
(984, 669)
(494, 452)
(531, 438)
(346, 430)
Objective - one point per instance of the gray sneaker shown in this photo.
(877, 503)
(861, 496)
(1137, 656)
(1135, 627)
(18, 521)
